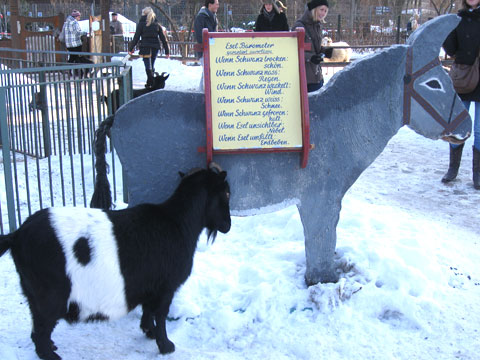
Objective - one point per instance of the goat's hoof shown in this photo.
(50, 355)
(147, 328)
(149, 333)
(167, 348)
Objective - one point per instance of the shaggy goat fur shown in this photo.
(83, 264)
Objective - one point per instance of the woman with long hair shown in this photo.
(312, 20)
(149, 32)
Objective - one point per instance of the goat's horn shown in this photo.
(215, 166)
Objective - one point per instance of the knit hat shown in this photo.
(76, 13)
(268, 1)
(315, 3)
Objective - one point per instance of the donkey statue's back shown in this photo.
(351, 120)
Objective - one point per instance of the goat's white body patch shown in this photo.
(97, 287)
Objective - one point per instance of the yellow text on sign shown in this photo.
(255, 87)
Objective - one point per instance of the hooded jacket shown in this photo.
(313, 35)
(73, 33)
(278, 23)
(463, 43)
(149, 37)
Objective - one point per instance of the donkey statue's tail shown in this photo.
(102, 197)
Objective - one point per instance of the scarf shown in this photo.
(268, 15)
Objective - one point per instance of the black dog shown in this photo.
(83, 73)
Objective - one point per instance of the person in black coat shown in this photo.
(271, 18)
(463, 44)
(148, 32)
(205, 19)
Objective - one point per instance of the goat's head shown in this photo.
(217, 206)
(159, 80)
(327, 41)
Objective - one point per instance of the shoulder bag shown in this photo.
(465, 77)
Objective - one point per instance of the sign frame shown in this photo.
(304, 108)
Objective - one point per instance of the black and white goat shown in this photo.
(83, 264)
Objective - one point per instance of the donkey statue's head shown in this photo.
(428, 90)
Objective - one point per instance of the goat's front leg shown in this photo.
(146, 324)
(164, 344)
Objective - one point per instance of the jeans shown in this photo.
(476, 124)
(150, 61)
(201, 86)
(314, 87)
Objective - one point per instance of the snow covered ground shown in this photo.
(408, 249)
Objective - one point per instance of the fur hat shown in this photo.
(271, 2)
(76, 13)
(315, 3)
(280, 5)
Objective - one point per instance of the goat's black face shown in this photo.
(159, 80)
(218, 207)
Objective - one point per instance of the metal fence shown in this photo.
(48, 116)
(346, 20)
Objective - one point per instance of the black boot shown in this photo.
(455, 157)
(476, 168)
(149, 83)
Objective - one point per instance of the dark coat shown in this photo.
(278, 23)
(313, 35)
(463, 43)
(149, 37)
(205, 19)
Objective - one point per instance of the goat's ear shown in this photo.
(181, 174)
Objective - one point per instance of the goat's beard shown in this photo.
(211, 236)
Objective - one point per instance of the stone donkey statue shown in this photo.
(351, 120)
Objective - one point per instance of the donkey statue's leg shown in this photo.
(319, 227)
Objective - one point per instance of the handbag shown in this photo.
(61, 36)
(465, 77)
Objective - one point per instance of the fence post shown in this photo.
(45, 120)
(7, 166)
(127, 83)
(398, 30)
(339, 28)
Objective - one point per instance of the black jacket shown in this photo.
(205, 19)
(313, 35)
(463, 43)
(149, 37)
(278, 23)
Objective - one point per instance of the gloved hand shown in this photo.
(327, 51)
(316, 59)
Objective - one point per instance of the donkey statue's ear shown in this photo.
(428, 38)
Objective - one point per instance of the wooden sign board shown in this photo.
(255, 89)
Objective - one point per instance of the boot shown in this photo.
(149, 83)
(455, 157)
(476, 168)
